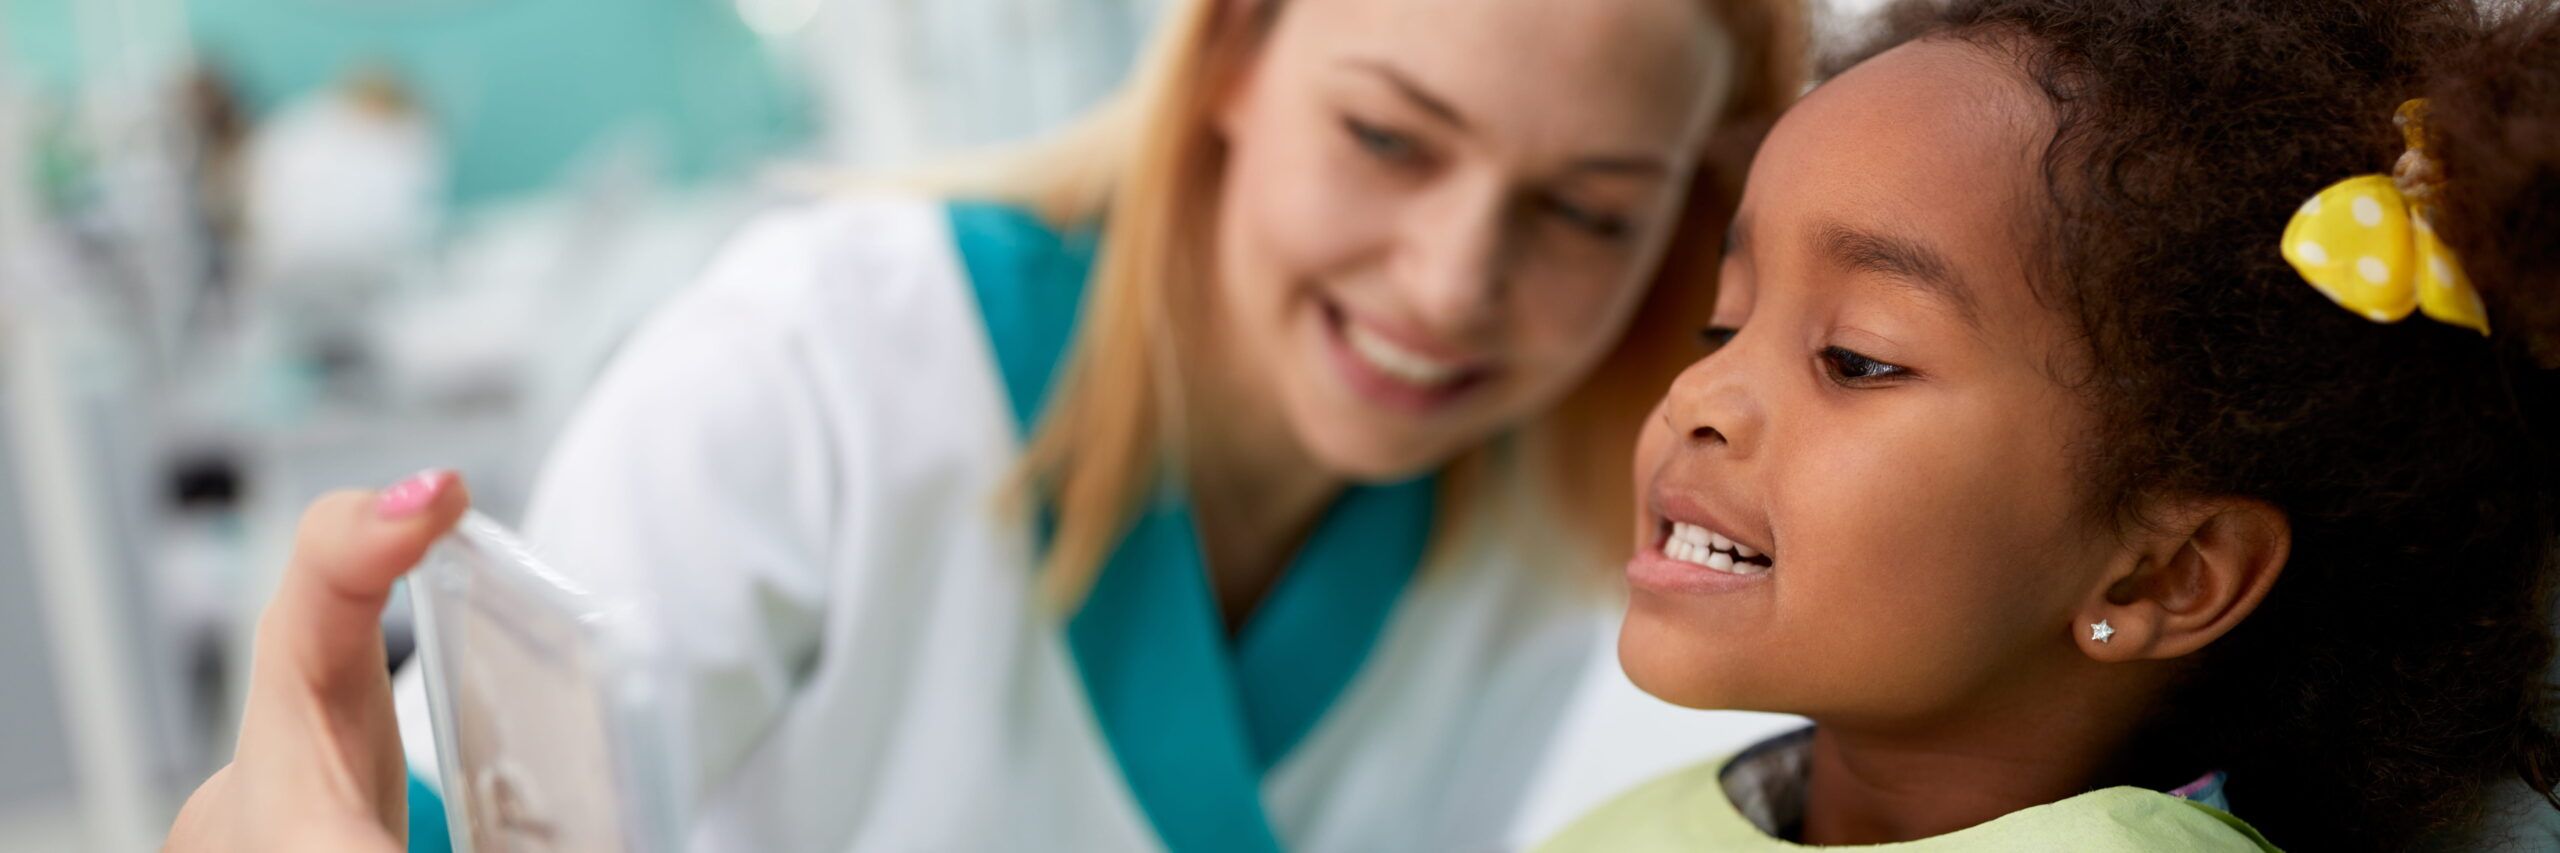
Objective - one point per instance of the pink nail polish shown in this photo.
(408, 497)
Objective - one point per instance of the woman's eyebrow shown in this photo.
(1411, 91)
(1900, 260)
(1611, 164)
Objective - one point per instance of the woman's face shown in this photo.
(1437, 215)
(1884, 432)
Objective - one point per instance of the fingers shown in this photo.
(344, 836)
(352, 546)
(218, 819)
(203, 823)
(319, 765)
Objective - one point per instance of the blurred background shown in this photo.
(251, 250)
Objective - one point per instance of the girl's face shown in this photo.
(1437, 215)
(1884, 428)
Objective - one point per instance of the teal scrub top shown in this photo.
(1196, 716)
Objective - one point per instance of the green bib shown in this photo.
(1693, 810)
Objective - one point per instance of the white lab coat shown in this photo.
(800, 459)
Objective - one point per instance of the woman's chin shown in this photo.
(1356, 448)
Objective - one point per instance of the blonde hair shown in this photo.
(1149, 157)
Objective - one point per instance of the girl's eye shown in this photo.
(1849, 368)
(1602, 225)
(1386, 145)
(1715, 337)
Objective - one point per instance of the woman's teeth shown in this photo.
(1699, 546)
(1396, 361)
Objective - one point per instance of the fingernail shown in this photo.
(408, 497)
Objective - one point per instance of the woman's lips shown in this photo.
(1387, 369)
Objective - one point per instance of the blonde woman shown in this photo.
(1227, 474)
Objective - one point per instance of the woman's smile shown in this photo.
(1396, 368)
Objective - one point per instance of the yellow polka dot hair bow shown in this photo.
(2367, 243)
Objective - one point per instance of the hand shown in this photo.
(318, 766)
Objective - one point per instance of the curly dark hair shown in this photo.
(2397, 676)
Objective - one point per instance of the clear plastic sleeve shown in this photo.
(547, 700)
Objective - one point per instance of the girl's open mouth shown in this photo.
(1699, 546)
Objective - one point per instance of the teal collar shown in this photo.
(1195, 720)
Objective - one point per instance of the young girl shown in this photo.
(2069, 451)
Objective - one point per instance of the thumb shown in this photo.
(318, 741)
(351, 548)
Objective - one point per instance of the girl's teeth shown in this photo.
(1692, 534)
(1397, 361)
(1689, 543)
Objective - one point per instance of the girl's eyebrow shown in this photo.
(1904, 261)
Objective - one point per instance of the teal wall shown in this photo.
(35, 35)
(518, 87)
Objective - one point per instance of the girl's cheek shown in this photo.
(1651, 439)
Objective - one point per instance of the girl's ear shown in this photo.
(2187, 582)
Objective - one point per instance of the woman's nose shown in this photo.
(1455, 257)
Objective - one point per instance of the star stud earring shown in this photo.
(2101, 631)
